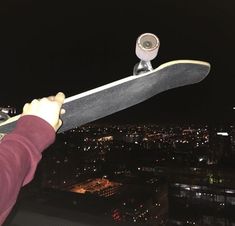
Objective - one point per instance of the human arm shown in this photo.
(20, 151)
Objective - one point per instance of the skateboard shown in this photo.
(145, 83)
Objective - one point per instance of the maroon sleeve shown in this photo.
(20, 152)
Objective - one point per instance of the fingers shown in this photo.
(51, 98)
(59, 97)
(48, 108)
(58, 125)
(25, 108)
(62, 111)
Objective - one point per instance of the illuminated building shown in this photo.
(105, 138)
(220, 144)
(201, 197)
(99, 186)
(232, 138)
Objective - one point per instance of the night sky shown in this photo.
(73, 46)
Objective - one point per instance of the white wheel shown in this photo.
(147, 46)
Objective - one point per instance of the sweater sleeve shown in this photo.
(20, 152)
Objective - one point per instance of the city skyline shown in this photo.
(50, 48)
(141, 174)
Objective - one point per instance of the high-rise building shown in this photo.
(220, 143)
(232, 138)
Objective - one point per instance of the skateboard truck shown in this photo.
(147, 46)
(3, 116)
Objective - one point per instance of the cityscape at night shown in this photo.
(141, 174)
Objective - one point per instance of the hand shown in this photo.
(47, 108)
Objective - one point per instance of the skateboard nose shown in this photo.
(147, 46)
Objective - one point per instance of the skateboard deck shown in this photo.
(118, 95)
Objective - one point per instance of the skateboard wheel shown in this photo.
(147, 46)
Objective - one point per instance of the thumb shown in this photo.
(58, 125)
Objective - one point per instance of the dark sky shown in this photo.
(73, 46)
